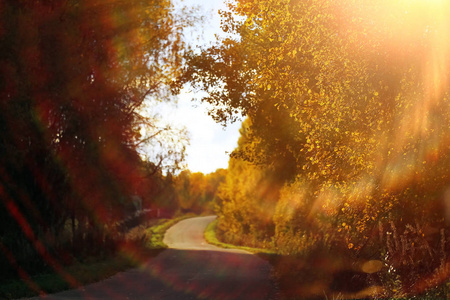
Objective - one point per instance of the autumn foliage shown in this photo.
(347, 137)
(74, 76)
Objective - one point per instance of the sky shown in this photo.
(210, 143)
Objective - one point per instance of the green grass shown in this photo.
(211, 238)
(93, 269)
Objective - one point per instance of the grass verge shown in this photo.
(93, 269)
(156, 232)
(211, 238)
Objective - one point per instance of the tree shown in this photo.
(246, 199)
(343, 100)
(74, 76)
(196, 192)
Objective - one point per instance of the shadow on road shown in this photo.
(185, 274)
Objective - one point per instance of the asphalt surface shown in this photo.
(189, 269)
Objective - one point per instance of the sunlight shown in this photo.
(425, 23)
(341, 169)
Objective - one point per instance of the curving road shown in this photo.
(189, 235)
(189, 269)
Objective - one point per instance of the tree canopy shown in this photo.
(347, 106)
(74, 77)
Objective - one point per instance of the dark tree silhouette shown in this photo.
(73, 76)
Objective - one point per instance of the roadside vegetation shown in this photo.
(141, 244)
(83, 162)
(344, 153)
(76, 80)
(211, 238)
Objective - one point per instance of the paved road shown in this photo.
(190, 269)
(189, 235)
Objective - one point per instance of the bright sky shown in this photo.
(209, 142)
